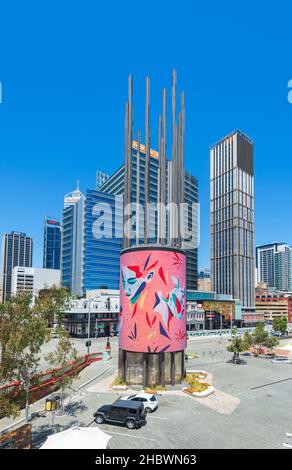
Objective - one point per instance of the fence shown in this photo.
(48, 381)
(224, 332)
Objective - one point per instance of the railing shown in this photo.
(48, 381)
(224, 332)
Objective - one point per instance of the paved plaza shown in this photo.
(251, 407)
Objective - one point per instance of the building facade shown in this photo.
(72, 244)
(100, 311)
(273, 306)
(17, 250)
(274, 265)
(115, 185)
(232, 217)
(204, 280)
(211, 311)
(32, 280)
(52, 243)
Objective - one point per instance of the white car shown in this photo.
(149, 401)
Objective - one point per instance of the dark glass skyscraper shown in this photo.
(52, 243)
(232, 217)
(16, 251)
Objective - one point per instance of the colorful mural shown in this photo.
(153, 301)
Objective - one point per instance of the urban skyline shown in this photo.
(53, 128)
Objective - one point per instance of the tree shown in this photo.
(280, 324)
(237, 346)
(260, 339)
(61, 357)
(52, 304)
(22, 333)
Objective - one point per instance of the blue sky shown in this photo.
(64, 68)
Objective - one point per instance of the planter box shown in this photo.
(120, 387)
(203, 394)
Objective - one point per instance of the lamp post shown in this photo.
(88, 327)
(221, 322)
(231, 321)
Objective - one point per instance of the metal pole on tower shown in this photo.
(147, 161)
(138, 190)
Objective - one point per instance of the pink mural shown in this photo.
(153, 297)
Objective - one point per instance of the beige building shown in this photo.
(273, 306)
(204, 285)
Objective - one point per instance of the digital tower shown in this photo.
(152, 330)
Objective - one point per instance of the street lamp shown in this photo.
(231, 320)
(88, 343)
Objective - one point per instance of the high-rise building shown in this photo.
(274, 265)
(204, 280)
(102, 243)
(73, 242)
(100, 178)
(52, 243)
(90, 243)
(232, 217)
(115, 185)
(17, 250)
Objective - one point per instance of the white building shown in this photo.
(100, 309)
(32, 280)
(274, 265)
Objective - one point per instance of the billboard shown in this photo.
(153, 300)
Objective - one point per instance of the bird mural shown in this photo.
(172, 305)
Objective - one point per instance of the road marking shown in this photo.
(287, 445)
(93, 378)
(271, 383)
(156, 417)
(131, 435)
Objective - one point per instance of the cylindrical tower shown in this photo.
(152, 330)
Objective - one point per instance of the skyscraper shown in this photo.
(274, 265)
(232, 217)
(102, 245)
(52, 243)
(17, 250)
(73, 242)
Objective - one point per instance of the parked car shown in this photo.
(130, 413)
(149, 401)
(281, 360)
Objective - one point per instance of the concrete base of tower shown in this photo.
(151, 369)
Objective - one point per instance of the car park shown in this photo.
(122, 412)
(148, 400)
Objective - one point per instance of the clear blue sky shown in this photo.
(64, 68)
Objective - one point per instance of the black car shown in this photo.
(130, 413)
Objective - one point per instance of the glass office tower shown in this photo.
(52, 243)
(232, 217)
(102, 240)
(17, 250)
(73, 243)
(115, 185)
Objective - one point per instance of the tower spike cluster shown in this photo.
(171, 188)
